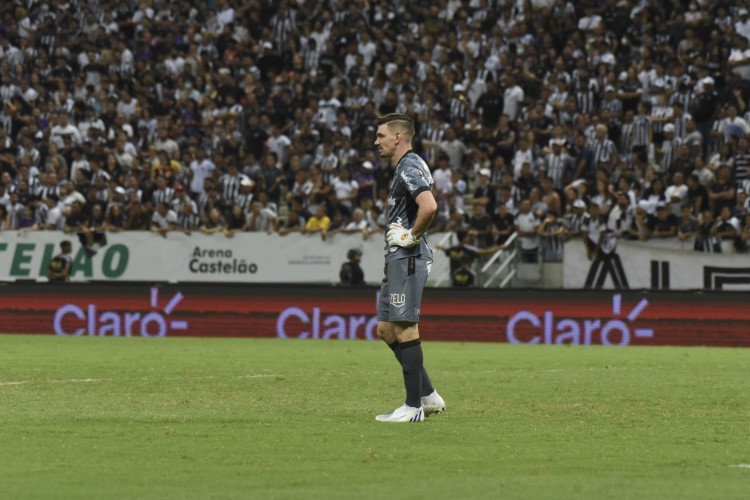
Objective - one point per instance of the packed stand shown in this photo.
(552, 119)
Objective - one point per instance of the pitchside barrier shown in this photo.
(340, 313)
(262, 258)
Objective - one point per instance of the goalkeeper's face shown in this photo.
(385, 141)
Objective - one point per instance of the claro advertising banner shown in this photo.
(335, 313)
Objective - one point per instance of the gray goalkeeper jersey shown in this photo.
(412, 176)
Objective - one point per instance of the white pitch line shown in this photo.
(741, 466)
(84, 380)
(66, 381)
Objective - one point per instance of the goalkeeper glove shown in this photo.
(398, 236)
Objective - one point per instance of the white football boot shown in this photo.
(432, 404)
(404, 413)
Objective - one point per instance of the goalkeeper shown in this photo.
(408, 257)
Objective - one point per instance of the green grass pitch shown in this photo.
(105, 418)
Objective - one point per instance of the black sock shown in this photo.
(396, 348)
(427, 388)
(411, 362)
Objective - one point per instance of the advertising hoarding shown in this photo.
(337, 313)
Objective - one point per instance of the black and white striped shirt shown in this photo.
(614, 106)
(627, 132)
(680, 125)
(641, 129)
(43, 192)
(557, 168)
(741, 164)
(668, 151)
(434, 132)
(41, 215)
(311, 56)
(48, 41)
(684, 98)
(586, 95)
(283, 26)
(162, 196)
(660, 114)
(7, 92)
(189, 221)
(603, 151)
(458, 108)
(244, 200)
(230, 186)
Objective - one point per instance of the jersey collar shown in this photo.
(402, 158)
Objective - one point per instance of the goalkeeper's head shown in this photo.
(394, 135)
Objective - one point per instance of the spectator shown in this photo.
(503, 224)
(726, 229)
(463, 276)
(61, 265)
(480, 226)
(722, 191)
(745, 236)
(527, 224)
(319, 222)
(665, 225)
(115, 219)
(551, 232)
(676, 194)
(357, 224)
(294, 223)
(351, 272)
(688, 225)
(577, 220)
(163, 220)
(215, 223)
(345, 190)
(558, 165)
(52, 218)
(94, 229)
(262, 218)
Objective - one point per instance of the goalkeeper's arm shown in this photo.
(400, 236)
(426, 212)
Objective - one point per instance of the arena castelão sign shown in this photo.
(149, 257)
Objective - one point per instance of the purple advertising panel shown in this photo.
(324, 312)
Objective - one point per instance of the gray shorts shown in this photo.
(401, 292)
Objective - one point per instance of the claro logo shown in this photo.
(293, 322)
(72, 319)
(547, 329)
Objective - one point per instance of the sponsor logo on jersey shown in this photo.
(426, 175)
(397, 299)
(407, 181)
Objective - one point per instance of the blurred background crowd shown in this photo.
(549, 118)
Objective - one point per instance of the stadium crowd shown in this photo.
(552, 118)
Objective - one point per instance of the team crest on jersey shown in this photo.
(391, 201)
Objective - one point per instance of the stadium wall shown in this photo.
(339, 313)
(270, 258)
(243, 258)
